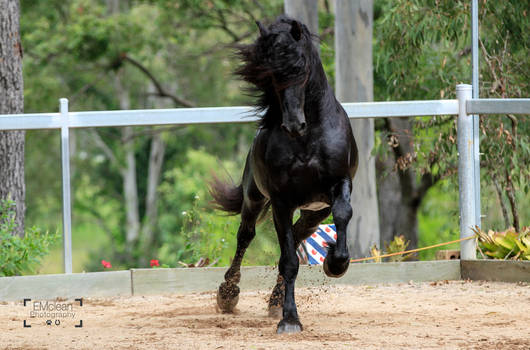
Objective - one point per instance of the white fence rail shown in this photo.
(464, 107)
(211, 115)
(241, 114)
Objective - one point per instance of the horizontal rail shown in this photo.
(211, 115)
(241, 114)
(498, 106)
(30, 121)
(401, 109)
(176, 116)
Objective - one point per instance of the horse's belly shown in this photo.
(314, 206)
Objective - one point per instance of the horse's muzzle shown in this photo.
(295, 129)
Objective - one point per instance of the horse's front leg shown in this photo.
(304, 227)
(283, 216)
(338, 257)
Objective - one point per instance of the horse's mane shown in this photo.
(268, 64)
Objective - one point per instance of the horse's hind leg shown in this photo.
(306, 225)
(228, 293)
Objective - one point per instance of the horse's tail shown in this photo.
(226, 196)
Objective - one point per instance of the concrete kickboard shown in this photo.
(75, 285)
(496, 270)
(182, 280)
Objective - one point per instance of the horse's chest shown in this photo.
(305, 171)
(304, 165)
(295, 161)
(300, 170)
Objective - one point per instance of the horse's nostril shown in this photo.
(296, 131)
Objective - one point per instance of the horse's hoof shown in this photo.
(275, 311)
(227, 297)
(335, 270)
(289, 327)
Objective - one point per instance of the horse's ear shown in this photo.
(296, 30)
(262, 30)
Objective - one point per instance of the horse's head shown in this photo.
(278, 64)
(286, 44)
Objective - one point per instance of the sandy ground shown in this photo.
(442, 315)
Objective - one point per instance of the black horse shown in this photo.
(303, 157)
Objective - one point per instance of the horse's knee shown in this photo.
(342, 211)
(233, 275)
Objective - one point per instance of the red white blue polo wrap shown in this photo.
(316, 246)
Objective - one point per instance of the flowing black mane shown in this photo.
(283, 55)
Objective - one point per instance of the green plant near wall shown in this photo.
(20, 255)
(397, 245)
(209, 236)
(505, 245)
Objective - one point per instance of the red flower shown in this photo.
(106, 264)
(154, 262)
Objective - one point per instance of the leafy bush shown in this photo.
(504, 245)
(210, 235)
(190, 229)
(20, 254)
(398, 244)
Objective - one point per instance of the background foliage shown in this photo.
(160, 53)
(20, 254)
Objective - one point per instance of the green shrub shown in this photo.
(504, 245)
(20, 254)
(189, 227)
(398, 244)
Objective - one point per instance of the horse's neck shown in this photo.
(318, 90)
(318, 85)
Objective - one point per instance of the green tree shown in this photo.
(120, 55)
(421, 51)
(157, 54)
(11, 102)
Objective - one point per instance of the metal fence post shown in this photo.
(476, 120)
(67, 211)
(466, 180)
